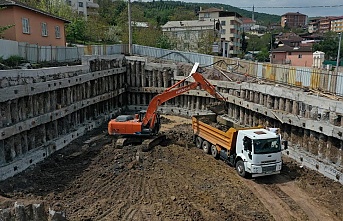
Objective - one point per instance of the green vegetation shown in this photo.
(258, 43)
(12, 61)
(329, 45)
(110, 24)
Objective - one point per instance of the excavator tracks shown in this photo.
(147, 143)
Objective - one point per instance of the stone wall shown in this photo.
(43, 110)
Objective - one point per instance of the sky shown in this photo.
(311, 8)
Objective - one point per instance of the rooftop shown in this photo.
(286, 48)
(191, 23)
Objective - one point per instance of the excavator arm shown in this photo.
(175, 91)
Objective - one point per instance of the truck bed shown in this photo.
(222, 139)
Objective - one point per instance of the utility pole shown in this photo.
(271, 48)
(130, 26)
(338, 53)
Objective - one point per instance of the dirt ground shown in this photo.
(91, 180)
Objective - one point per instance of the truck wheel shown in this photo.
(240, 168)
(206, 146)
(214, 151)
(198, 142)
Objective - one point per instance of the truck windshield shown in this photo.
(272, 145)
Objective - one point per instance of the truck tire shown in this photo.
(240, 168)
(198, 142)
(206, 146)
(214, 151)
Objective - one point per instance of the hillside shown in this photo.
(164, 11)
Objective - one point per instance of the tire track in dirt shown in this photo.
(276, 206)
(307, 204)
(285, 201)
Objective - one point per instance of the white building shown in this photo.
(83, 7)
(193, 36)
(216, 31)
(337, 24)
(230, 29)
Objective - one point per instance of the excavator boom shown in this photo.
(149, 124)
(172, 92)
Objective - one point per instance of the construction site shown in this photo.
(60, 161)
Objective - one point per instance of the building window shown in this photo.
(206, 15)
(26, 25)
(223, 31)
(57, 32)
(300, 56)
(44, 29)
(80, 4)
(223, 23)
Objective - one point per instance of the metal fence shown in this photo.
(35, 53)
(8, 48)
(314, 79)
(318, 80)
(178, 56)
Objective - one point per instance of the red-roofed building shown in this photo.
(247, 24)
(293, 20)
(295, 56)
(31, 25)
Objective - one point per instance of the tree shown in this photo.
(164, 42)
(263, 55)
(329, 46)
(55, 7)
(205, 42)
(244, 43)
(112, 34)
(76, 30)
(96, 28)
(257, 43)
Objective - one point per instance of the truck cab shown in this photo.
(258, 152)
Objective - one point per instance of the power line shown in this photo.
(311, 6)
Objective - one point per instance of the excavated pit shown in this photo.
(91, 180)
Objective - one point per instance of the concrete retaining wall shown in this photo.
(40, 114)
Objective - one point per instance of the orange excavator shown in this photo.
(148, 123)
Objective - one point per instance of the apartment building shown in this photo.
(219, 30)
(84, 7)
(293, 20)
(231, 28)
(324, 24)
(337, 24)
(313, 25)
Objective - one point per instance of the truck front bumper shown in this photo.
(264, 170)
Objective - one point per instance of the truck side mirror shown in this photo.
(285, 144)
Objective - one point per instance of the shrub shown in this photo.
(14, 61)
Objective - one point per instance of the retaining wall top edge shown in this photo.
(42, 71)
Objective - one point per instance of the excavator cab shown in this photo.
(147, 129)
